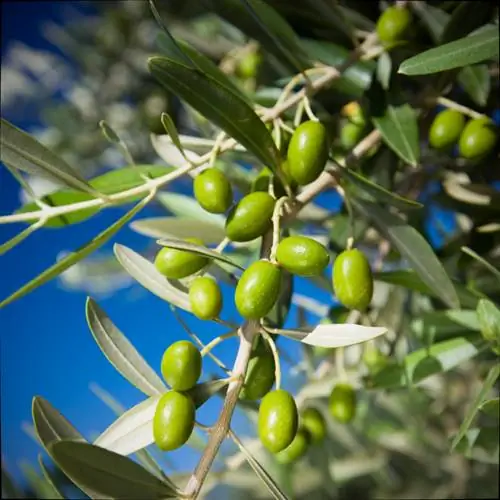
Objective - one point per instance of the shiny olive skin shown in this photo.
(296, 449)
(181, 365)
(342, 403)
(251, 217)
(205, 298)
(302, 256)
(478, 138)
(393, 25)
(307, 152)
(258, 289)
(350, 135)
(177, 264)
(213, 191)
(446, 128)
(259, 377)
(278, 420)
(353, 280)
(173, 421)
(313, 421)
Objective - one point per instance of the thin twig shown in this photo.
(277, 365)
(458, 107)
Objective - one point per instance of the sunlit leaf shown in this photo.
(489, 320)
(121, 353)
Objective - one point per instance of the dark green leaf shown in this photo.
(202, 392)
(399, 131)
(482, 261)
(434, 18)
(23, 152)
(463, 52)
(475, 80)
(413, 246)
(108, 473)
(491, 407)
(76, 256)
(55, 493)
(121, 353)
(481, 444)
(224, 108)
(109, 133)
(9, 488)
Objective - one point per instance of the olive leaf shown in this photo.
(463, 52)
(121, 353)
(491, 407)
(199, 250)
(23, 152)
(145, 273)
(218, 104)
(186, 207)
(399, 129)
(9, 487)
(476, 81)
(482, 261)
(488, 316)
(413, 246)
(75, 256)
(202, 392)
(108, 473)
(384, 70)
(55, 493)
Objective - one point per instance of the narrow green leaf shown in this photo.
(145, 273)
(76, 256)
(171, 129)
(490, 380)
(384, 70)
(413, 246)
(178, 227)
(491, 407)
(463, 52)
(22, 151)
(200, 250)
(121, 353)
(476, 81)
(36, 482)
(202, 392)
(482, 261)
(489, 320)
(108, 473)
(399, 131)
(18, 238)
(224, 108)
(109, 132)
(55, 493)
(9, 488)
(259, 470)
(434, 19)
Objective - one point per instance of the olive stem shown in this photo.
(308, 110)
(216, 149)
(339, 363)
(277, 133)
(276, 227)
(277, 365)
(216, 341)
(298, 114)
(444, 101)
(222, 245)
(284, 126)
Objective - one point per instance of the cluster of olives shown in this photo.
(393, 25)
(475, 139)
(174, 417)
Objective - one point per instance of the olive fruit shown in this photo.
(342, 403)
(181, 365)
(177, 264)
(373, 358)
(302, 256)
(259, 377)
(352, 279)
(354, 112)
(213, 191)
(314, 422)
(296, 449)
(278, 420)
(248, 65)
(350, 135)
(307, 152)
(251, 217)
(478, 138)
(393, 24)
(205, 298)
(173, 421)
(446, 128)
(258, 289)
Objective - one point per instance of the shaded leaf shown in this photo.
(121, 353)
(433, 17)
(76, 256)
(171, 129)
(399, 131)
(143, 271)
(224, 108)
(201, 393)
(108, 473)
(384, 70)
(23, 152)
(9, 488)
(413, 246)
(491, 407)
(463, 52)
(475, 80)
(482, 261)
(55, 493)
(109, 133)
(187, 207)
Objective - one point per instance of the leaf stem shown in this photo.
(216, 341)
(277, 365)
(276, 227)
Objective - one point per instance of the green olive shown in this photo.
(296, 449)
(354, 112)
(177, 264)
(373, 358)
(314, 422)
(173, 421)
(251, 217)
(393, 25)
(307, 152)
(248, 65)
(278, 420)
(478, 138)
(258, 289)
(302, 256)
(181, 365)
(446, 128)
(259, 377)
(213, 191)
(205, 298)
(350, 135)
(342, 403)
(261, 183)
(352, 280)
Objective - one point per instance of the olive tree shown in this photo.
(372, 105)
